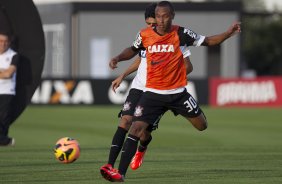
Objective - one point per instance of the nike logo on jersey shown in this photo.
(160, 48)
(156, 62)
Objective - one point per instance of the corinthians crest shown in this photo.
(138, 111)
(126, 106)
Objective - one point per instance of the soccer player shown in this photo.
(8, 66)
(166, 78)
(137, 87)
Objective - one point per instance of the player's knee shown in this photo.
(125, 122)
(137, 128)
(204, 126)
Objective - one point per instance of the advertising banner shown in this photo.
(97, 92)
(264, 91)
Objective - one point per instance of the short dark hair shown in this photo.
(5, 25)
(166, 4)
(6, 33)
(150, 10)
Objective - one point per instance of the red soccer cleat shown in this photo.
(111, 174)
(137, 160)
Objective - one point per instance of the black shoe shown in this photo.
(7, 142)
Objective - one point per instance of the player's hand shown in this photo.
(113, 63)
(235, 28)
(116, 83)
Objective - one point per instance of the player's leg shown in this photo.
(188, 107)
(129, 149)
(199, 122)
(126, 116)
(149, 108)
(131, 144)
(145, 140)
(118, 139)
(137, 160)
(5, 120)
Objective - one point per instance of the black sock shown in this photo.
(129, 149)
(117, 143)
(143, 144)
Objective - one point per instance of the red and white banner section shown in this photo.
(262, 91)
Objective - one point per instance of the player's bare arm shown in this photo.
(132, 68)
(8, 73)
(188, 65)
(218, 39)
(126, 54)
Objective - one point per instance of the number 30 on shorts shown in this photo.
(190, 104)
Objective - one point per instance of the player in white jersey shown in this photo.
(8, 65)
(137, 88)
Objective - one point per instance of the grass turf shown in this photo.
(241, 145)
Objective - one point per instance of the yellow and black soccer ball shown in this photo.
(67, 150)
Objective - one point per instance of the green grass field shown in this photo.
(241, 145)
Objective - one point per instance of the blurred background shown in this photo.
(82, 36)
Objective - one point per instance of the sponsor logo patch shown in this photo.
(160, 48)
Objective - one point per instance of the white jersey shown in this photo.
(7, 86)
(139, 80)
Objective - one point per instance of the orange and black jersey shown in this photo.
(165, 66)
